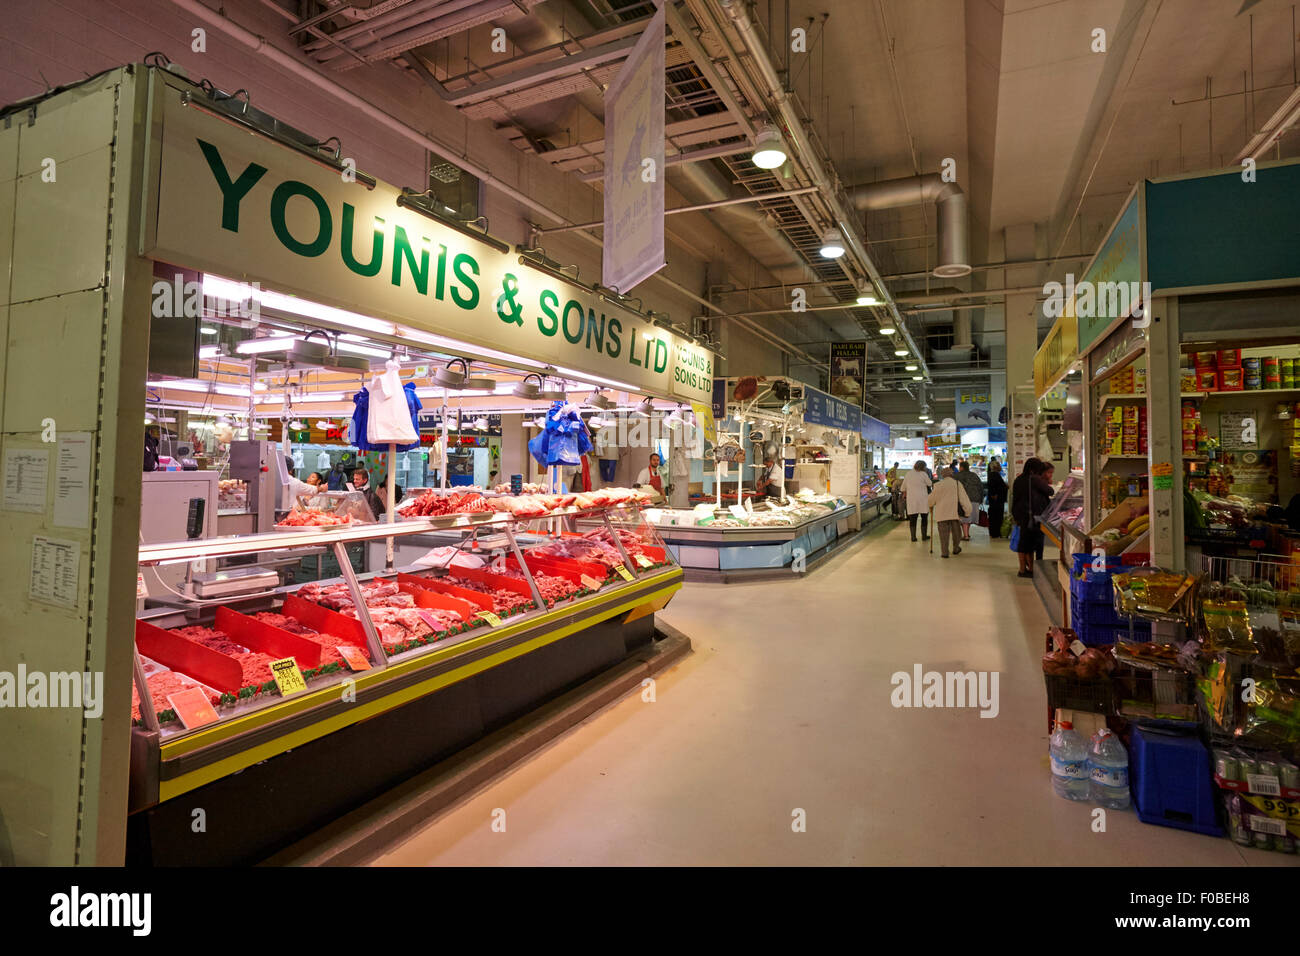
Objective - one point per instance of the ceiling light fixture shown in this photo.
(910, 367)
(867, 296)
(207, 330)
(832, 245)
(769, 148)
(888, 330)
(901, 352)
(644, 408)
(598, 400)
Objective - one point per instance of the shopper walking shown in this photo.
(1029, 496)
(916, 489)
(949, 500)
(975, 492)
(997, 493)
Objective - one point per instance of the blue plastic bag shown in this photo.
(1015, 537)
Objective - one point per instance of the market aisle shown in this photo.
(785, 704)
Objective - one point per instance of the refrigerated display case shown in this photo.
(397, 668)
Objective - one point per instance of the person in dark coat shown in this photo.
(1029, 497)
(997, 495)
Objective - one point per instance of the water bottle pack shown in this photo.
(1096, 770)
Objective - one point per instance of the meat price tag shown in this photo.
(140, 589)
(193, 707)
(591, 583)
(491, 618)
(287, 676)
(642, 560)
(1077, 648)
(623, 572)
(355, 657)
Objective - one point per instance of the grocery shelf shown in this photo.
(1104, 460)
(1242, 391)
(1121, 397)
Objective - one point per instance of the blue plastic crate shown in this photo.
(1081, 560)
(1171, 781)
(1092, 614)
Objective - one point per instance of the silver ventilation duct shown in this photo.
(950, 207)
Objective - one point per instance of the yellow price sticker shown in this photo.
(643, 561)
(490, 617)
(287, 676)
(623, 572)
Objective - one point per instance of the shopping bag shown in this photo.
(1015, 537)
(983, 518)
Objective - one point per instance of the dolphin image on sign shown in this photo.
(979, 415)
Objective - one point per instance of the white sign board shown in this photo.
(237, 204)
(634, 165)
(26, 478)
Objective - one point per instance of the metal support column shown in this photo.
(523, 565)
(1164, 434)
(378, 658)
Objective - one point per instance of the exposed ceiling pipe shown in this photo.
(261, 46)
(793, 128)
(950, 207)
(1286, 117)
(444, 25)
(392, 20)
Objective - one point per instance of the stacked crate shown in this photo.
(1092, 604)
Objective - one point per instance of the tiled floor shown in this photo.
(785, 705)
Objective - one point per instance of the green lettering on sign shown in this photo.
(279, 205)
(376, 245)
(232, 192)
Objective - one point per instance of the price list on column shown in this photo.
(55, 569)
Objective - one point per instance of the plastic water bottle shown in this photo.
(1069, 762)
(1108, 771)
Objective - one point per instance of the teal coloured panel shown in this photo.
(1219, 230)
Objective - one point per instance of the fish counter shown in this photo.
(754, 540)
(286, 707)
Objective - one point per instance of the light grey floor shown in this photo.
(785, 705)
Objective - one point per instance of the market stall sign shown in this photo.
(245, 207)
(623, 572)
(874, 430)
(1058, 351)
(1252, 225)
(823, 409)
(1118, 260)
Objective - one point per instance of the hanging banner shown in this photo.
(634, 165)
(223, 200)
(974, 408)
(849, 371)
(874, 430)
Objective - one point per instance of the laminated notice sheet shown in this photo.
(55, 570)
(26, 476)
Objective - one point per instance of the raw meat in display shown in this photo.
(504, 601)
(313, 518)
(163, 682)
(439, 557)
(256, 665)
(551, 587)
(328, 642)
